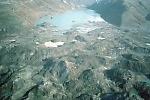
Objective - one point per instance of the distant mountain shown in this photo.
(124, 13)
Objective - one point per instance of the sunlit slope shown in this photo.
(16, 14)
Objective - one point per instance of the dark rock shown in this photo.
(133, 63)
(141, 49)
(55, 68)
(119, 96)
(54, 40)
(5, 83)
(59, 96)
(79, 38)
(143, 90)
(148, 76)
(126, 30)
(93, 62)
(86, 75)
(86, 85)
(6, 90)
(121, 77)
(129, 57)
(119, 74)
(25, 96)
(20, 54)
(84, 96)
(147, 17)
(125, 43)
(70, 85)
(43, 24)
(114, 96)
(48, 62)
(4, 70)
(5, 77)
(146, 58)
(2, 30)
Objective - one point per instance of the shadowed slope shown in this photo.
(125, 13)
(110, 11)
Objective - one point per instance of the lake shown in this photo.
(70, 19)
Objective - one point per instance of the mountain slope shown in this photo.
(124, 13)
(17, 15)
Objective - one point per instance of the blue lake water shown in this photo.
(69, 19)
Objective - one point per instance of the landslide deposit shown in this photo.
(99, 60)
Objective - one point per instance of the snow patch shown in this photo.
(101, 38)
(96, 19)
(148, 44)
(52, 44)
